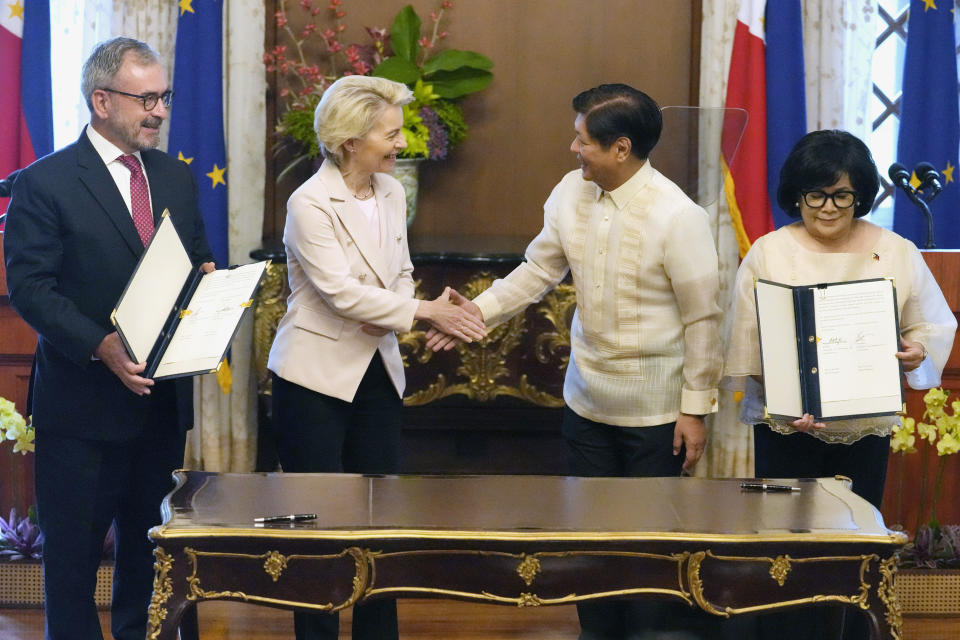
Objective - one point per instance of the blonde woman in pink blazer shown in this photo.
(338, 377)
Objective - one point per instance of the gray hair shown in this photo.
(350, 107)
(106, 60)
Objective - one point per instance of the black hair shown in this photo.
(613, 111)
(818, 160)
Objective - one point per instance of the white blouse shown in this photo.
(925, 317)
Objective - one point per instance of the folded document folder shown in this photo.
(829, 349)
(174, 317)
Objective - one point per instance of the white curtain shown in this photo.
(153, 22)
(838, 38)
(76, 26)
(838, 43)
(224, 437)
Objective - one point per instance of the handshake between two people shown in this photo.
(452, 319)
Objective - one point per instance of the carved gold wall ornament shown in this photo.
(557, 307)
(528, 569)
(887, 592)
(484, 365)
(359, 582)
(274, 564)
(271, 304)
(779, 568)
(162, 590)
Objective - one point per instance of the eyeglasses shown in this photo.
(841, 199)
(149, 100)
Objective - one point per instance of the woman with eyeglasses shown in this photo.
(829, 181)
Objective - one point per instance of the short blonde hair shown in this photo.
(350, 107)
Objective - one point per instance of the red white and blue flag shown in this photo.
(766, 80)
(26, 120)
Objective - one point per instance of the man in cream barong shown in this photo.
(645, 357)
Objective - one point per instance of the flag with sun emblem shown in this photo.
(196, 117)
(930, 121)
(766, 80)
(26, 120)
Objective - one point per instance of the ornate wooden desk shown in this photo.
(520, 540)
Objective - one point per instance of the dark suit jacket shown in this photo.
(71, 246)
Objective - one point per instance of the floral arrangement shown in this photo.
(19, 537)
(934, 545)
(14, 427)
(432, 124)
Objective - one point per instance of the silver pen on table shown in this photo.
(763, 486)
(291, 517)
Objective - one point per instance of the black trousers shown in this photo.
(316, 433)
(595, 449)
(82, 486)
(800, 455)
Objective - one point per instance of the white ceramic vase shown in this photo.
(407, 171)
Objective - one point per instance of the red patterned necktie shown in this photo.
(139, 198)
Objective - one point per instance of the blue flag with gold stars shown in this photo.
(930, 121)
(196, 119)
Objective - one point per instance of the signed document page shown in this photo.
(857, 339)
(210, 320)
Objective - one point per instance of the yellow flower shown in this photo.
(927, 432)
(948, 445)
(935, 399)
(14, 427)
(24, 443)
(6, 409)
(903, 439)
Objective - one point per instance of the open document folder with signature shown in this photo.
(830, 349)
(177, 319)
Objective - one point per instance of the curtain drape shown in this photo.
(153, 22)
(838, 38)
(225, 431)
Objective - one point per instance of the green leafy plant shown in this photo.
(933, 545)
(432, 124)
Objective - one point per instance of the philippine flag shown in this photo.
(26, 121)
(766, 80)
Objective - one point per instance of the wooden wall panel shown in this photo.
(521, 126)
(906, 472)
(17, 343)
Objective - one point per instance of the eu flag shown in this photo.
(930, 121)
(196, 121)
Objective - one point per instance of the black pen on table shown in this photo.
(765, 487)
(292, 517)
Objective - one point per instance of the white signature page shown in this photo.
(211, 318)
(856, 345)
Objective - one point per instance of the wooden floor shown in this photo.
(419, 620)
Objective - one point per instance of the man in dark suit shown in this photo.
(107, 438)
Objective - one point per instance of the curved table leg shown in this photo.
(168, 607)
(886, 619)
